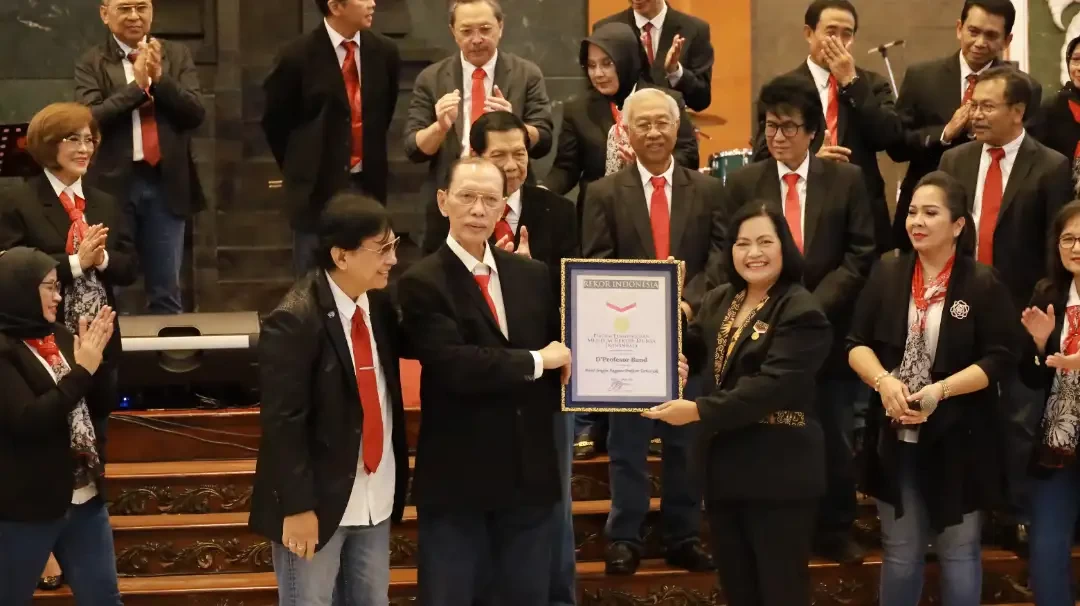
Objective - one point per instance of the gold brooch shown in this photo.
(759, 329)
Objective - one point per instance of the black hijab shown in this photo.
(21, 272)
(620, 43)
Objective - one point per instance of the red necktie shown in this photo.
(793, 208)
(832, 114)
(482, 280)
(148, 122)
(659, 217)
(970, 90)
(356, 105)
(991, 205)
(78, 220)
(649, 52)
(364, 363)
(479, 94)
(502, 228)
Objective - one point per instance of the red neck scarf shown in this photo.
(47, 349)
(1074, 107)
(939, 285)
(79, 226)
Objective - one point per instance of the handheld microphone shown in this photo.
(881, 49)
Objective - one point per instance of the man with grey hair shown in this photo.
(451, 94)
(655, 209)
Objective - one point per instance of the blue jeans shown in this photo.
(83, 544)
(905, 540)
(303, 253)
(360, 553)
(564, 549)
(159, 239)
(836, 412)
(1055, 503)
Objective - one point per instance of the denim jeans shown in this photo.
(159, 239)
(1055, 502)
(836, 412)
(360, 553)
(83, 544)
(562, 591)
(905, 540)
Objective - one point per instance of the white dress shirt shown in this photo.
(514, 216)
(821, 80)
(136, 121)
(75, 189)
(84, 494)
(802, 171)
(1011, 149)
(372, 499)
(336, 39)
(910, 434)
(658, 26)
(488, 267)
(646, 182)
(465, 116)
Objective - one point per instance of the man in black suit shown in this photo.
(333, 465)
(654, 209)
(676, 50)
(450, 95)
(860, 118)
(144, 95)
(329, 101)
(934, 101)
(825, 203)
(484, 325)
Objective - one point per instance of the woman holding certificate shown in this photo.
(933, 333)
(757, 344)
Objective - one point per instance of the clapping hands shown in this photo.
(92, 338)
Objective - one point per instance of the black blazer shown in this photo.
(582, 155)
(311, 415)
(477, 389)
(616, 225)
(742, 457)
(553, 229)
(1057, 128)
(867, 123)
(838, 234)
(1039, 185)
(929, 96)
(1037, 375)
(307, 119)
(696, 59)
(100, 83)
(959, 455)
(33, 216)
(36, 463)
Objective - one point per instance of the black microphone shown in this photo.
(881, 49)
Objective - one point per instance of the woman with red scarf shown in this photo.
(1053, 322)
(50, 458)
(1058, 124)
(933, 334)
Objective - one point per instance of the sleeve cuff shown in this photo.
(104, 264)
(674, 78)
(76, 267)
(538, 365)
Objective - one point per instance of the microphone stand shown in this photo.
(888, 66)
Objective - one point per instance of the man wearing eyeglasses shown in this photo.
(655, 209)
(333, 463)
(451, 94)
(485, 326)
(144, 94)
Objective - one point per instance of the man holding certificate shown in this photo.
(654, 209)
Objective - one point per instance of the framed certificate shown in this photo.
(620, 319)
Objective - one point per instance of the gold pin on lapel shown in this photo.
(759, 329)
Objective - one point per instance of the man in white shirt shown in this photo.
(333, 464)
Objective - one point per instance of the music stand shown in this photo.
(15, 161)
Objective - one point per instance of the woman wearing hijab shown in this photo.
(50, 462)
(1058, 126)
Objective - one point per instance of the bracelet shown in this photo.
(877, 380)
(946, 391)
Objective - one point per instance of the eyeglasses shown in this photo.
(141, 9)
(644, 127)
(987, 108)
(1067, 242)
(76, 141)
(790, 129)
(485, 31)
(52, 286)
(385, 250)
(466, 197)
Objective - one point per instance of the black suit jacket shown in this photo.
(477, 389)
(35, 442)
(33, 216)
(838, 246)
(100, 83)
(929, 96)
(311, 415)
(745, 459)
(1038, 376)
(959, 454)
(553, 229)
(616, 225)
(307, 119)
(697, 54)
(867, 123)
(1039, 185)
(582, 155)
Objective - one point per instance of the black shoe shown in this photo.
(584, 447)
(51, 583)
(622, 559)
(690, 556)
(656, 447)
(840, 548)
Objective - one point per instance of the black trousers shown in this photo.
(762, 550)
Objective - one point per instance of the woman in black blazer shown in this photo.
(50, 463)
(757, 345)
(933, 333)
(1058, 126)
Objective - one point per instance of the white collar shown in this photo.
(514, 202)
(471, 263)
(127, 49)
(965, 69)
(336, 39)
(802, 171)
(820, 74)
(59, 187)
(346, 306)
(657, 21)
(468, 68)
(1012, 147)
(646, 176)
(1074, 298)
